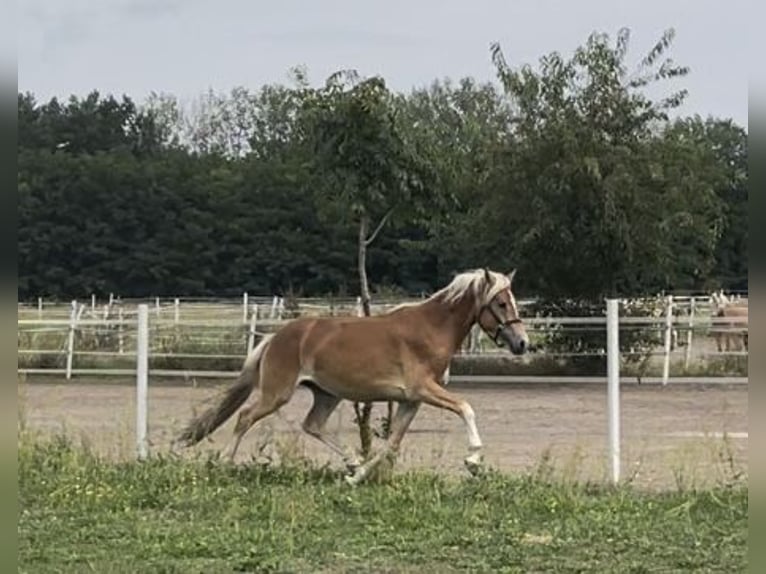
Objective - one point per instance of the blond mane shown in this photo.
(475, 283)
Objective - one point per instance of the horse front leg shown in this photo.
(434, 394)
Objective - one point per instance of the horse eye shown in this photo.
(501, 304)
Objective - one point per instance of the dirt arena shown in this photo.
(682, 435)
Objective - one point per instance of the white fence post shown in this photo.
(142, 381)
(39, 307)
(70, 340)
(274, 302)
(157, 305)
(359, 307)
(251, 331)
(244, 307)
(93, 304)
(668, 338)
(613, 385)
(176, 310)
(688, 354)
(120, 332)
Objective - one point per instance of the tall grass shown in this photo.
(83, 513)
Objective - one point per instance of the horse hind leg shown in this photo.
(314, 423)
(271, 398)
(719, 338)
(401, 421)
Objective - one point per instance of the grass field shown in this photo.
(81, 513)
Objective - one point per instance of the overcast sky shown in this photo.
(185, 47)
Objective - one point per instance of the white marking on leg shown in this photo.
(474, 440)
(474, 459)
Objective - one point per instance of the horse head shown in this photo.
(499, 315)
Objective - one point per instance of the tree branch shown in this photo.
(382, 222)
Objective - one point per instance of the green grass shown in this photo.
(83, 514)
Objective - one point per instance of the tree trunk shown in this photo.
(364, 224)
(363, 412)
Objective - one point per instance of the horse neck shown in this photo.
(451, 320)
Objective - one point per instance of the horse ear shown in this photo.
(488, 277)
(511, 275)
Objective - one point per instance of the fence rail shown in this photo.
(101, 339)
(131, 337)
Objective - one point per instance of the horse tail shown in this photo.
(204, 424)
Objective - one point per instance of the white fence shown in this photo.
(133, 329)
(100, 339)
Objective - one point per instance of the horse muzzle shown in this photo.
(509, 338)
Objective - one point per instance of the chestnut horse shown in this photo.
(399, 356)
(731, 335)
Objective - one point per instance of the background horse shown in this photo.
(730, 335)
(400, 356)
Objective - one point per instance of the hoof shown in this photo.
(352, 467)
(474, 463)
(351, 480)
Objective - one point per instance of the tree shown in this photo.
(364, 171)
(566, 169)
(592, 192)
(462, 126)
(725, 146)
(234, 125)
(85, 125)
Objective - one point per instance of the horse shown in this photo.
(400, 356)
(731, 335)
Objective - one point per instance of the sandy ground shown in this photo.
(678, 435)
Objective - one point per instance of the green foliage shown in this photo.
(80, 512)
(85, 126)
(568, 171)
(362, 162)
(593, 192)
(725, 146)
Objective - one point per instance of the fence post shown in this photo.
(142, 380)
(70, 340)
(244, 307)
(176, 310)
(274, 302)
(251, 331)
(473, 340)
(157, 305)
(668, 337)
(93, 304)
(359, 307)
(688, 355)
(120, 332)
(39, 307)
(613, 385)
